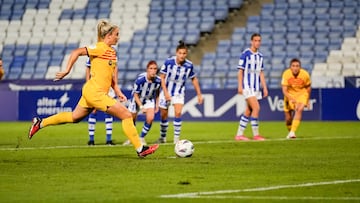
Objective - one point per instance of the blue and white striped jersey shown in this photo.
(88, 64)
(145, 88)
(252, 64)
(176, 75)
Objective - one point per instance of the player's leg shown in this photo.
(122, 113)
(77, 115)
(164, 123)
(244, 119)
(288, 113)
(288, 119)
(299, 108)
(254, 117)
(288, 122)
(150, 113)
(133, 108)
(177, 121)
(134, 116)
(109, 128)
(91, 127)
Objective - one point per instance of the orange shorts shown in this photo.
(301, 98)
(94, 97)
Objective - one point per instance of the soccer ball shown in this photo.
(184, 148)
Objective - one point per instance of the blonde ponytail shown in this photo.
(104, 28)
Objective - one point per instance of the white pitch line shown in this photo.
(200, 194)
(198, 142)
(58, 147)
(277, 198)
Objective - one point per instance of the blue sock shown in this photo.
(91, 126)
(164, 124)
(177, 126)
(109, 126)
(145, 129)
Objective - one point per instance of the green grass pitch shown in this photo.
(322, 165)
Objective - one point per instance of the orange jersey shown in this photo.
(103, 62)
(296, 85)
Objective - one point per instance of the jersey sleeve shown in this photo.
(94, 50)
(242, 61)
(284, 78)
(88, 64)
(163, 68)
(192, 74)
(137, 86)
(262, 63)
(308, 80)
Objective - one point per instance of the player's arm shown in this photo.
(2, 73)
(87, 73)
(240, 81)
(138, 102)
(284, 85)
(115, 86)
(196, 85)
(286, 94)
(157, 93)
(164, 88)
(72, 59)
(263, 84)
(308, 90)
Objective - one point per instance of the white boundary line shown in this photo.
(277, 198)
(199, 142)
(210, 194)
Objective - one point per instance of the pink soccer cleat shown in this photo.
(291, 136)
(258, 138)
(35, 126)
(241, 138)
(148, 150)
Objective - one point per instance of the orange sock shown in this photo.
(60, 118)
(131, 132)
(288, 127)
(295, 124)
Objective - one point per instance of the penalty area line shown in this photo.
(211, 194)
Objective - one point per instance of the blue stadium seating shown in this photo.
(307, 29)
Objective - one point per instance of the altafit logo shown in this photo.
(50, 106)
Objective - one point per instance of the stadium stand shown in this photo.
(38, 36)
(321, 33)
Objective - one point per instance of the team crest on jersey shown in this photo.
(110, 62)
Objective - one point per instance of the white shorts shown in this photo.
(148, 104)
(176, 99)
(252, 93)
(112, 93)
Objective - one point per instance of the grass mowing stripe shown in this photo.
(198, 142)
(200, 194)
(66, 169)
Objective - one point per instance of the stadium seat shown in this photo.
(349, 69)
(304, 27)
(207, 24)
(192, 37)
